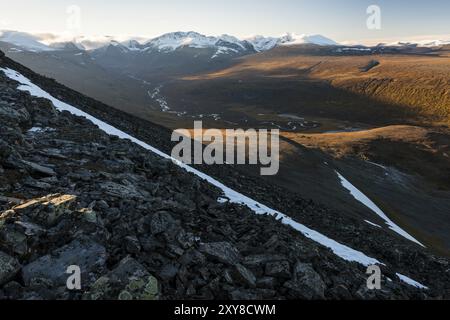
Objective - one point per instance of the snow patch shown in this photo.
(411, 282)
(372, 224)
(39, 129)
(222, 200)
(361, 197)
(24, 40)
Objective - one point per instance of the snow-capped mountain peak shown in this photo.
(261, 43)
(223, 44)
(420, 43)
(175, 40)
(24, 40)
(293, 39)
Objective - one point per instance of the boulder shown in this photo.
(46, 210)
(278, 269)
(34, 167)
(85, 253)
(9, 267)
(161, 222)
(223, 252)
(244, 276)
(307, 283)
(121, 191)
(128, 281)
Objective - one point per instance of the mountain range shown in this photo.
(224, 44)
(164, 43)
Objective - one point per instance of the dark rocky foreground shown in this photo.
(139, 227)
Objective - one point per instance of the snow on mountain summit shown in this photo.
(420, 43)
(294, 39)
(223, 44)
(262, 43)
(24, 41)
(175, 40)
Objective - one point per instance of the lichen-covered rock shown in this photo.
(46, 210)
(128, 281)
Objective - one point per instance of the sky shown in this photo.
(343, 20)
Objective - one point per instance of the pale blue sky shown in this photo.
(340, 20)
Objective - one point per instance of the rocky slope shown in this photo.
(140, 227)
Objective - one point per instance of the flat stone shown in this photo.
(39, 168)
(262, 259)
(57, 200)
(13, 241)
(128, 268)
(223, 252)
(267, 282)
(37, 184)
(122, 191)
(85, 253)
(46, 210)
(10, 200)
(279, 269)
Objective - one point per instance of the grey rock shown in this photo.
(53, 153)
(34, 167)
(9, 200)
(244, 276)
(223, 252)
(13, 115)
(128, 281)
(128, 268)
(267, 282)
(13, 241)
(161, 222)
(246, 295)
(9, 267)
(122, 191)
(88, 255)
(307, 283)
(46, 210)
(262, 259)
(192, 257)
(132, 244)
(37, 184)
(168, 272)
(278, 269)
